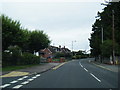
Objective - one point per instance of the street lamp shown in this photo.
(72, 46)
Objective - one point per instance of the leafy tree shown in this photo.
(38, 40)
(11, 32)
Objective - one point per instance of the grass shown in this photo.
(11, 68)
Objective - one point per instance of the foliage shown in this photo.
(38, 40)
(17, 40)
(104, 20)
(58, 55)
(14, 34)
(28, 58)
(11, 32)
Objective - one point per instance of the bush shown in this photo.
(25, 59)
(28, 58)
(6, 59)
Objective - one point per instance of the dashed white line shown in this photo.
(20, 78)
(34, 77)
(13, 81)
(18, 86)
(85, 69)
(25, 77)
(80, 64)
(30, 79)
(38, 75)
(3, 86)
(95, 77)
(25, 82)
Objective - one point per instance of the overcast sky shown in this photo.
(64, 22)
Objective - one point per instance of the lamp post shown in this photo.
(72, 46)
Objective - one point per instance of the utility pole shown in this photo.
(102, 35)
(113, 39)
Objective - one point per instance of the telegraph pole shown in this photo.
(102, 35)
(113, 39)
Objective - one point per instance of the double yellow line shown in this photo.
(58, 66)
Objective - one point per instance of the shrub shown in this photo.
(28, 58)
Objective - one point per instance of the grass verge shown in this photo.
(11, 68)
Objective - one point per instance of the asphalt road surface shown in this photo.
(74, 74)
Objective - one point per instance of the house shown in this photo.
(50, 52)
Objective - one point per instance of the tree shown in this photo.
(11, 32)
(38, 40)
(104, 20)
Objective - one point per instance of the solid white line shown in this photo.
(95, 77)
(3, 86)
(13, 81)
(18, 86)
(85, 69)
(25, 82)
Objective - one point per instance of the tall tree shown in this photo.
(11, 32)
(38, 40)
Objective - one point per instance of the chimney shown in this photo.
(59, 46)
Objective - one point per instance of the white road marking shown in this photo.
(3, 86)
(18, 86)
(13, 81)
(85, 69)
(25, 82)
(20, 78)
(25, 76)
(34, 77)
(95, 77)
(80, 64)
(30, 79)
(38, 75)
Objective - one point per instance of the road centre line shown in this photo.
(95, 77)
(80, 64)
(18, 86)
(85, 69)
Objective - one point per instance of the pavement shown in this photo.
(30, 70)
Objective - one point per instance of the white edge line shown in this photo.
(95, 77)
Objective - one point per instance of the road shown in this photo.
(73, 74)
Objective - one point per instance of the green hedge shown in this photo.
(24, 59)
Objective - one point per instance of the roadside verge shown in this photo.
(113, 68)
